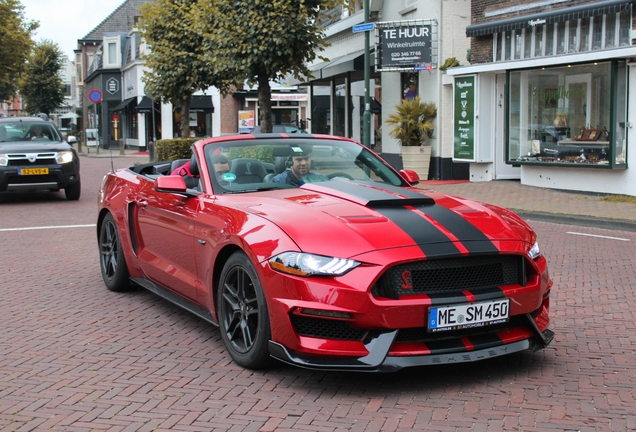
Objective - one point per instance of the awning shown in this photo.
(550, 17)
(201, 104)
(69, 115)
(145, 106)
(123, 104)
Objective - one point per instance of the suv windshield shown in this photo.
(25, 131)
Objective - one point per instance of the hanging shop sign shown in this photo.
(464, 119)
(406, 45)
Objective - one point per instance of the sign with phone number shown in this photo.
(405, 46)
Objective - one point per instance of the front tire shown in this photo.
(111, 257)
(73, 191)
(243, 316)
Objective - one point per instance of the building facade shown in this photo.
(546, 96)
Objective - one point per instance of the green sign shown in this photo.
(464, 125)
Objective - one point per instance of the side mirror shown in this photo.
(410, 176)
(170, 183)
(71, 139)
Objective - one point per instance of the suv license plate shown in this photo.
(33, 171)
(468, 315)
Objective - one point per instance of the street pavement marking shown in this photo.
(599, 236)
(47, 227)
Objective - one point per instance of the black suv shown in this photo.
(34, 156)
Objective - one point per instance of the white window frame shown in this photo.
(106, 60)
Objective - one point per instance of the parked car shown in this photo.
(34, 156)
(279, 128)
(351, 267)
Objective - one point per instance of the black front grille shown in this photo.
(451, 275)
(326, 328)
(29, 179)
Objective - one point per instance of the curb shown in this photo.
(578, 220)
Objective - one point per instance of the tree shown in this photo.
(15, 45)
(175, 64)
(263, 40)
(41, 85)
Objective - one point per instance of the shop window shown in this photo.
(499, 43)
(573, 40)
(549, 40)
(409, 85)
(560, 37)
(561, 115)
(538, 41)
(527, 43)
(507, 45)
(517, 48)
(624, 28)
(597, 32)
(610, 31)
(584, 24)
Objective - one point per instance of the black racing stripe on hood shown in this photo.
(471, 237)
(488, 294)
(430, 240)
(378, 194)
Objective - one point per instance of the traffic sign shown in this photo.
(95, 96)
(363, 27)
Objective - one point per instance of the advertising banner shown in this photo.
(246, 121)
(405, 46)
(464, 119)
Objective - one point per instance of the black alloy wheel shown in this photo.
(243, 316)
(111, 259)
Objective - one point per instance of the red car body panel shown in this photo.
(178, 241)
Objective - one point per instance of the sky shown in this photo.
(66, 21)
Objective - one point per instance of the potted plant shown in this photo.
(412, 125)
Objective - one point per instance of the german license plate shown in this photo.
(33, 171)
(468, 315)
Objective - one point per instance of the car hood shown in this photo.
(353, 218)
(33, 146)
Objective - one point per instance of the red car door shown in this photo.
(165, 223)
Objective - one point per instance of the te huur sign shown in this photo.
(464, 119)
(405, 46)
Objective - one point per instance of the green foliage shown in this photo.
(174, 148)
(449, 63)
(15, 45)
(41, 85)
(259, 40)
(175, 64)
(262, 153)
(412, 124)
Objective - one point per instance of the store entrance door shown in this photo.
(502, 169)
(285, 116)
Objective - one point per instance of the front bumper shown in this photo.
(379, 344)
(59, 177)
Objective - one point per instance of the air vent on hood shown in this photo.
(371, 194)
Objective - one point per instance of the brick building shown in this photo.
(545, 99)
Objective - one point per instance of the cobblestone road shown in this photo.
(76, 357)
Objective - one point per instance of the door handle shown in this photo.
(142, 203)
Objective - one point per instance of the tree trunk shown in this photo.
(265, 103)
(185, 117)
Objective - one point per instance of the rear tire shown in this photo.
(243, 316)
(111, 257)
(73, 191)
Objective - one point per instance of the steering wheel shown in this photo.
(340, 174)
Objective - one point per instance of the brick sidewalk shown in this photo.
(515, 196)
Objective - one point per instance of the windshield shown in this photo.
(264, 164)
(26, 131)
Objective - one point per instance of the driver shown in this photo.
(298, 173)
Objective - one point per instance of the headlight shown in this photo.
(303, 264)
(64, 157)
(534, 252)
(4, 160)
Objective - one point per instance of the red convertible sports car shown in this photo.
(312, 250)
